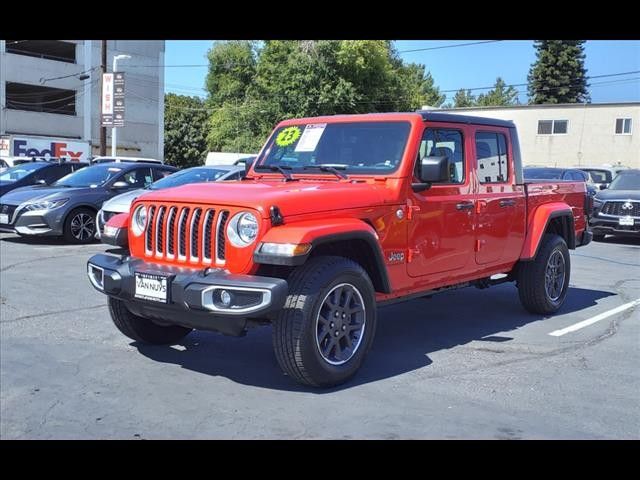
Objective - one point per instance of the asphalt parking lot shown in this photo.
(463, 364)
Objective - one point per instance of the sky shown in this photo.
(469, 66)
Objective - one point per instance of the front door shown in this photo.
(441, 237)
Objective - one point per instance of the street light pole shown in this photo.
(114, 128)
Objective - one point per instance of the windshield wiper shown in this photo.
(281, 169)
(331, 168)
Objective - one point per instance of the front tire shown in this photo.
(544, 281)
(328, 322)
(80, 226)
(142, 329)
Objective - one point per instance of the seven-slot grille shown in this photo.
(621, 208)
(190, 234)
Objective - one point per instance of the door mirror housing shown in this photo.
(119, 185)
(433, 169)
(604, 186)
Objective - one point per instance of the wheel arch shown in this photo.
(554, 218)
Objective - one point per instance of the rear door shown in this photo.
(500, 208)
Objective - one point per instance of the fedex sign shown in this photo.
(39, 147)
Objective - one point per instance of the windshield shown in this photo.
(358, 147)
(89, 177)
(626, 181)
(599, 176)
(20, 171)
(191, 175)
(542, 174)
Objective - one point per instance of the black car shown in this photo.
(566, 174)
(34, 173)
(68, 207)
(616, 210)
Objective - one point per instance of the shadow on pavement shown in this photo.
(38, 240)
(620, 240)
(407, 333)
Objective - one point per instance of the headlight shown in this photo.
(597, 203)
(139, 221)
(242, 230)
(46, 205)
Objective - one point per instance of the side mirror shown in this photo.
(119, 185)
(604, 186)
(432, 170)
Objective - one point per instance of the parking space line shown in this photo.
(592, 320)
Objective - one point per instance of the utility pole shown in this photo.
(103, 130)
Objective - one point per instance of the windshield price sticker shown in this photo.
(310, 137)
(287, 136)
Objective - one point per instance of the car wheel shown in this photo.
(80, 226)
(328, 323)
(544, 281)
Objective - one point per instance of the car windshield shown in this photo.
(357, 147)
(626, 181)
(18, 172)
(599, 176)
(191, 175)
(542, 174)
(93, 176)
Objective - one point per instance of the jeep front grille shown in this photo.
(187, 234)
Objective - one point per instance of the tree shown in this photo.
(464, 98)
(287, 79)
(499, 96)
(185, 130)
(558, 74)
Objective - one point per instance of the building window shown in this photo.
(552, 127)
(623, 126)
(491, 153)
(35, 98)
(49, 49)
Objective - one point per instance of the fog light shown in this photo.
(225, 298)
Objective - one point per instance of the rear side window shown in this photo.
(491, 153)
(444, 142)
(160, 173)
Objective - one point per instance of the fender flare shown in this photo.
(537, 226)
(322, 232)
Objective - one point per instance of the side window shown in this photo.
(235, 176)
(3, 164)
(491, 153)
(441, 142)
(138, 178)
(159, 173)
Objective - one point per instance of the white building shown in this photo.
(571, 135)
(43, 97)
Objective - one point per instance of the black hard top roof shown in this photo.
(435, 116)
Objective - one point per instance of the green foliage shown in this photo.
(252, 90)
(464, 98)
(185, 130)
(558, 74)
(499, 96)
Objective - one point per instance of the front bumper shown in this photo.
(603, 226)
(190, 293)
(37, 222)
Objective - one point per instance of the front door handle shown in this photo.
(464, 206)
(507, 203)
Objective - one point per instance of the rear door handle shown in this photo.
(464, 206)
(507, 203)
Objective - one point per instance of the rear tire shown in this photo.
(543, 282)
(80, 226)
(142, 329)
(328, 322)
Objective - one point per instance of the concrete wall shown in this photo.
(590, 138)
(142, 134)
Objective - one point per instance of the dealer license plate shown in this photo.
(628, 221)
(151, 287)
(4, 218)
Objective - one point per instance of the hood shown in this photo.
(121, 203)
(37, 192)
(618, 195)
(293, 198)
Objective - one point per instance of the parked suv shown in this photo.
(336, 216)
(616, 210)
(35, 173)
(68, 207)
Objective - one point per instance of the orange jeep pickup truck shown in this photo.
(336, 216)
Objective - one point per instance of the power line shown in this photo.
(449, 46)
